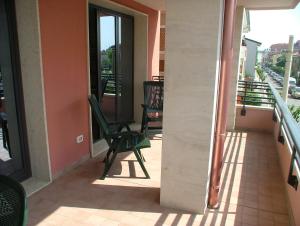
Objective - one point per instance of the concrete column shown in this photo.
(193, 44)
(237, 41)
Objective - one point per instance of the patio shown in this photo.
(252, 191)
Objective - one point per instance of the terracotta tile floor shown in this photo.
(252, 191)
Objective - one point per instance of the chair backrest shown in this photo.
(104, 82)
(13, 207)
(99, 116)
(154, 95)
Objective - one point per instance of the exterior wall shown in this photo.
(237, 40)
(64, 52)
(243, 55)
(256, 119)
(192, 68)
(251, 58)
(293, 196)
(274, 58)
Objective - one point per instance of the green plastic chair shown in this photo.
(153, 105)
(119, 141)
(13, 203)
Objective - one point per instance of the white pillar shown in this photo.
(237, 41)
(288, 66)
(193, 44)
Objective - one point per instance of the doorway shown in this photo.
(111, 64)
(14, 157)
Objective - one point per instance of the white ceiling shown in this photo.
(155, 4)
(268, 4)
(249, 4)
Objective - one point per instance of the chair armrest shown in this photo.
(124, 134)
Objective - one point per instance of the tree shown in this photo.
(281, 61)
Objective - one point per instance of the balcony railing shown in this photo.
(254, 93)
(264, 94)
(289, 131)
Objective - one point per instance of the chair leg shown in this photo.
(143, 122)
(107, 154)
(136, 153)
(108, 165)
(146, 127)
(142, 156)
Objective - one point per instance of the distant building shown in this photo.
(278, 48)
(275, 58)
(243, 47)
(251, 56)
(260, 54)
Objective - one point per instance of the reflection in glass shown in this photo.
(107, 65)
(4, 137)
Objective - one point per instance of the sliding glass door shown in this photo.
(111, 64)
(14, 160)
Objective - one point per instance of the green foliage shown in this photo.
(107, 59)
(252, 97)
(295, 112)
(281, 61)
(278, 70)
(261, 74)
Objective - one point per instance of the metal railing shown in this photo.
(254, 93)
(288, 127)
(111, 83)
(264, 94)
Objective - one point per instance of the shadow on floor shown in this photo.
(79, 198)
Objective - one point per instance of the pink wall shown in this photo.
(64, 52)
(285, 158)
(153, 34)
(256, 119)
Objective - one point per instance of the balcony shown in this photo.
(252, 191)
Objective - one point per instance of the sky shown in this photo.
(274, 26)
(107, 24)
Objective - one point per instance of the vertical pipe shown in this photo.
(288, 66)
(224, 94)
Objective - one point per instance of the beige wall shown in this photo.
(192, 68)
(256, 119)
(237, 41)
(33, 88)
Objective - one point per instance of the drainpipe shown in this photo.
(223, 100)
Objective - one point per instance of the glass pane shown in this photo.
(4, 142)
(107, 79)
(125, 69)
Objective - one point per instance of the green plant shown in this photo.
(295, 112)
(252, 98)
(278, 69)
(261, 74)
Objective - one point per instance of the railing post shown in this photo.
(274, 113)
(243, 111)
(280, 136)
(293, 179)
